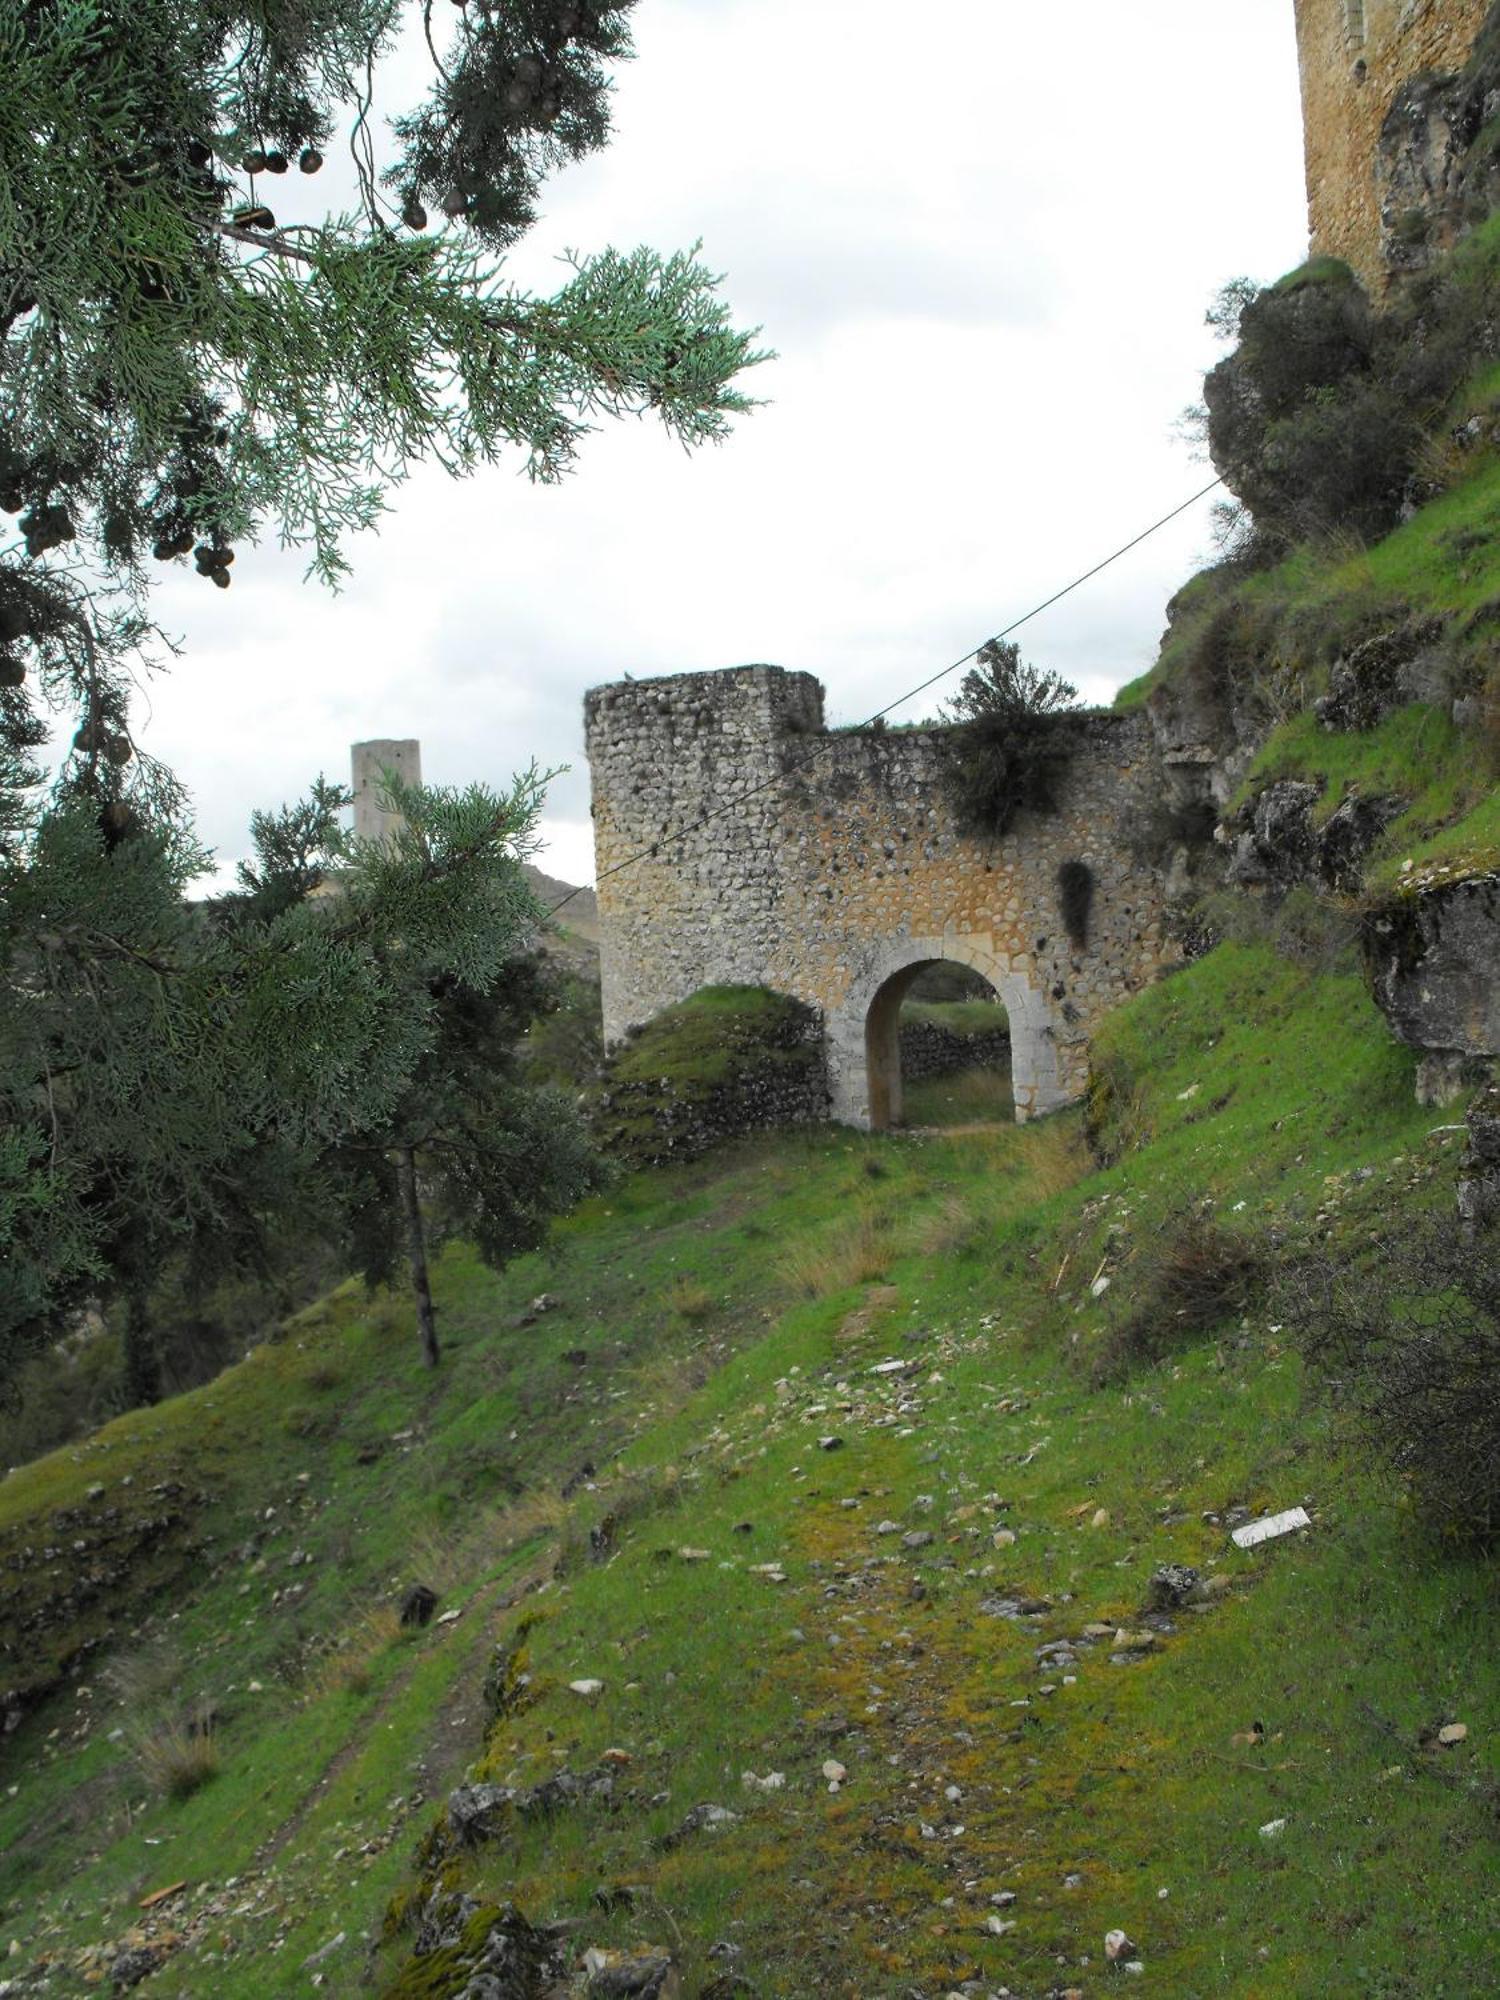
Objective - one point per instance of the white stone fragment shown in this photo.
(1270, 1527)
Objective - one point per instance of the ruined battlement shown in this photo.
(827, 865)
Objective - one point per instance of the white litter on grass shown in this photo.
(1273, 1829)
(1273, 1525)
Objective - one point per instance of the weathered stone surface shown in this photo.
(1348, 834)
(927, 1049)
(418, 1605)
(1479, 1169)
(840, 874)
(1277, 845)
(652, 1123)
(503, 1955)
(1434, 960)
(1171, 1586)
(638, 1975)
(1432, 179)
(1276, 841)
(1360, 60)
(1381, 672)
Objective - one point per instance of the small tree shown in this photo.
(1008, 750)
(468, 1147)
(174, 1081)
(183, 368)
(459, 1143)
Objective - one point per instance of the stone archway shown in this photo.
(864, 1033)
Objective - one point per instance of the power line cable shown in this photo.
(798, 764)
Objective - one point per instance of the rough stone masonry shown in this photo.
(831, 869)
(1359, 60)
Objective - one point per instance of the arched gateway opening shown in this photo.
(937, 1048)
(864, 1032)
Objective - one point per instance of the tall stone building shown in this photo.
(1368, 65)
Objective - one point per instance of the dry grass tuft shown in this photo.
(533, 1517)
(350, 1667)
(689, 1299)
(857, 1251)
(951, 1228)
(143, 1680)
(1193, 1278)
(1056, 1157)
(177, 1757)
(664, 1380)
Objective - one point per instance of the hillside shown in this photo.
(823, 1458)
(815, 1572)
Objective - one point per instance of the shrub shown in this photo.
(858, 1250)
(1196, 1275)
(1325, 416)
(1411, 1350)
(1010, 746)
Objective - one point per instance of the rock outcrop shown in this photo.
(1434, 961)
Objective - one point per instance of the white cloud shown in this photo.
(981, 242)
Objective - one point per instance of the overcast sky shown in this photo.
(981, 239)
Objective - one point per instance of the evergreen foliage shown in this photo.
(176, 1084)
(182, 368)
(1323, 416)
(1009, 749)
(179, 368)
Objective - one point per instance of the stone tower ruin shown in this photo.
(827, 865)
(1372, 72)
(401, 754)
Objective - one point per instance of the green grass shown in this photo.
(1274, 1094)
(705, 1040)
(1295, 619)
(963, 1097)
(960, 1017)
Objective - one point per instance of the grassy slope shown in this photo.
(1445, 561)
(797, 1265)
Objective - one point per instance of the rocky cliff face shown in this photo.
(1434, 960)
(1438, 158)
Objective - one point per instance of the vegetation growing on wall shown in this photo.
(729, 1059)
(1075, 898)
(1009, 745)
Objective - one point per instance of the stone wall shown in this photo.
(651, 1121)
(826, 865)
(930, 1050)
(1356, 56)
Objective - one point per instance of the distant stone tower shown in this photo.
(1358, 58)
(401, 754)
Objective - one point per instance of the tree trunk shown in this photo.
(142, 1362)
(416, 1252)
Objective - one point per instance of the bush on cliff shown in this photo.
(1328, 417)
